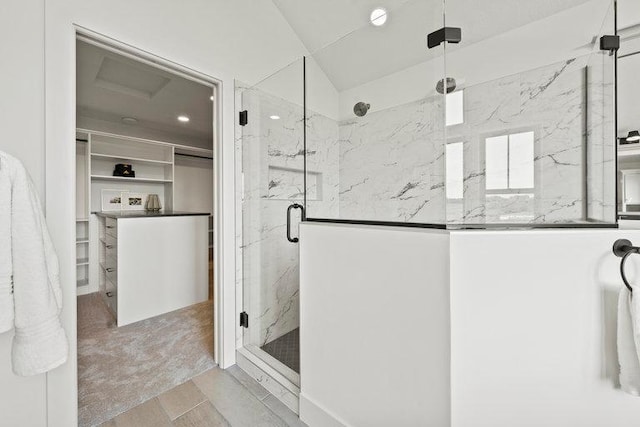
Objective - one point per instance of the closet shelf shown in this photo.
(82, 282)
(81, 240)
(120, 178)
(82, 219)
(131, 159)
(82, 261)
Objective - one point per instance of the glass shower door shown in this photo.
(273, 196)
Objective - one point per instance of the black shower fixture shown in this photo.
(361, 108)
(451, 85)
(445, 34)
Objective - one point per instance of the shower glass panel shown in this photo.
(533, 139)
(271, 159)
(375, 129)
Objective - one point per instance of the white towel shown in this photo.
(628, 338)
(6, 285)
(39, 343)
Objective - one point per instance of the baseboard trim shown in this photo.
(315, 415)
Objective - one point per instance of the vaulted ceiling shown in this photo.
(351, 51)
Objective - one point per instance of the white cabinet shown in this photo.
(150, 265)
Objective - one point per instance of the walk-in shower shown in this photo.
(512, 126)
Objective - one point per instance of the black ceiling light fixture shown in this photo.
(633, 136)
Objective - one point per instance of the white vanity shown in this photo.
(152, 263)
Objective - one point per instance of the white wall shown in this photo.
(374, 327)
(529, 318)
(22, 400)
(533, 329)
(193, 185)
(628, 13)
(243, 39)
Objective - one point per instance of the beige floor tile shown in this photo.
(245, 379)
(280, 409)
(203, 415)
(181, 399)
(239, 407)
(149, 414)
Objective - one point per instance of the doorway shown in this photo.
(146, 134)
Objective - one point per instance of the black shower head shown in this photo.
(451, 85)
(361, 108)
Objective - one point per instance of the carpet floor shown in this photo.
(120, 368)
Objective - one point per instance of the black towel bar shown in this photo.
(623, 248)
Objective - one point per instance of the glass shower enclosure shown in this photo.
(514, 126)
(270, 158)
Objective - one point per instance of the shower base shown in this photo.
(286, 349)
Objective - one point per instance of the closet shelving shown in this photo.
(121, 178)
(82, 210)
(97, 153)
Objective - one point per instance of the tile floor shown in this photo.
(120, 368)
(286, 349)
(215, 398)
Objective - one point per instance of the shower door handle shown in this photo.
(293, 206)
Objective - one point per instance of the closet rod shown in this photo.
(193, 155)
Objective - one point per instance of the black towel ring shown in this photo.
(623, 248)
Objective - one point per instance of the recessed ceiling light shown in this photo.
(211, 98)
(183, 119)
(129, 120)
(274, 117)
(378, 16)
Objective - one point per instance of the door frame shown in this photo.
(121, 48)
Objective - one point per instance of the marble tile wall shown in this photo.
(601, 142)
(550, 102)
(271, 155)
(392, 161)
(392, 164)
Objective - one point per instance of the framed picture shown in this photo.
(133, 201)
(112, 199)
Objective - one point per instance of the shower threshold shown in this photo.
(280, 380)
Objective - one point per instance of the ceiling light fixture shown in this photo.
(274, 117)
(633, 136)
(129, 120)
(183, 119)
(378, 16)
(211, 97)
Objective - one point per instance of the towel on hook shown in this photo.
(628, 341)
(6, 283)
(30, 294)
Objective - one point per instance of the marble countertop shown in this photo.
(147, 214)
